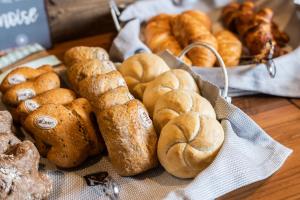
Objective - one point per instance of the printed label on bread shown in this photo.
(45, 122)
(144, 117)
(31, 105)
(108, 64)
(130, 97)
(16, 79)
(25, 94)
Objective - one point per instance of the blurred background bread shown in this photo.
(159, 37)
(229, 47)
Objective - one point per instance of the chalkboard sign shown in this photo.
(23, 22)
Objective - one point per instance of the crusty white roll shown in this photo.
(178, 102)
(189, 143)
(130, 137)
(141, 68)
(170, 80)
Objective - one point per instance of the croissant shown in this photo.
(229, 47)
(187, 30)
(201, 17)
(159, 37)
(256, 28)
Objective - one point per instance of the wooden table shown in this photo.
(279, 117)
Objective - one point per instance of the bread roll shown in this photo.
(63, 133)
(178, 102)
(56, 96)
(130, 138)
(189, 143)
(187, 30)
(93, 87)
(229, 47)
(87, 68)
(140, 69)
(22, 74)
(159, 36)
(31, 88)
(117, 96)
(84, 53)
(84, 109)
(170, 80)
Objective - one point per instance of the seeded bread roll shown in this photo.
(178, 102)
(189, 143)
(93, 87)
(84, 53)
(63, 133)
(31, 88)
(117, 96)
(87, 68)
(140, 69)
(22, 74)
(84, 109)
(170, 80)
(130, 138)
(56, 96)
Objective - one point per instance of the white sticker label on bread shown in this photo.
(31, 105)
(109, 65)
(122, 82)
(45, 122)
(16, 79)
(130, 97)
(144, 117)
(24, 94)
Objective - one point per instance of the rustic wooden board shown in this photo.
(279, 117)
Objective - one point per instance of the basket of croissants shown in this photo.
(243, 34)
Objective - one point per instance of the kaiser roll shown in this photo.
(141, 68)
(178, 102)
(170, 80)
(189, 143)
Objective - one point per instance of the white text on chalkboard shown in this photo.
(18, 18)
